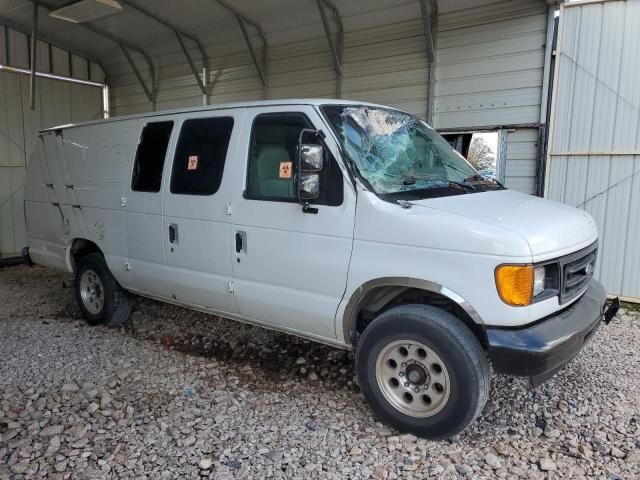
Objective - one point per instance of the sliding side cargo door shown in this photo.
(196, 229)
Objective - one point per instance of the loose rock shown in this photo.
(546, 464)
(180, 394)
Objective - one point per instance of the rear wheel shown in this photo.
(100, 297)
(423, 371)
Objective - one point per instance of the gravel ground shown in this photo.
(182, 394)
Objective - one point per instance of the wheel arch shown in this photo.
(374, 296)
(79, 248)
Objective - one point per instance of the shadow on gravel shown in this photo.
(276, 356)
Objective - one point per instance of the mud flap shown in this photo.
(611, 310)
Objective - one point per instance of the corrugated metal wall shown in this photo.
(489, 72)
(384, 61)
(522, 160)
(594, 155)
(57, 103)
(489, 65)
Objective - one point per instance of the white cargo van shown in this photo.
(351, 224)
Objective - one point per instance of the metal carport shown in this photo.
(465, 65)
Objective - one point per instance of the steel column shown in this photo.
(337, 49)
(429, 10)
(501, 155)
(6, 45)
(34, 50)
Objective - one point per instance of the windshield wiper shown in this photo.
(408, 181)
(466, 186)
(475, 177)
(480, 179)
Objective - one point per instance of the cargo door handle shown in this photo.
(241, 242)
(173, 233)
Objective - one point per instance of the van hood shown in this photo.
(551, 229)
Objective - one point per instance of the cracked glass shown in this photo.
(396, 153)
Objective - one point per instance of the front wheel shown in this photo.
(100, 297)
(422, 371)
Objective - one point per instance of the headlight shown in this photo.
(515, 284)
(539, 274)
(521, 285)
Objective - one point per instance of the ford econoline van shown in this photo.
(351, 224)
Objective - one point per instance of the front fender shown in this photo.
(347, 316)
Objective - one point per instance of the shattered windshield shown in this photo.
(398, 154)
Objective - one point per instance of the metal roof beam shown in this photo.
(243, 21)
(337, 48)
(180, 35)
(192, 64)
(126, 48)
(52, 41)
(147, 91)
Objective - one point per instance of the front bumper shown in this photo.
(541, 350)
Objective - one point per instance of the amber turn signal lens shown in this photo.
(515, 284)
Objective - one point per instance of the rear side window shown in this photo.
(147, 167)
(200, 156)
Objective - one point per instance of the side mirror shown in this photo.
(311, 158)
(310, 163)
(309, 186)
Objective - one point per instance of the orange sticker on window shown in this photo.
(192, 164)
(285, 169)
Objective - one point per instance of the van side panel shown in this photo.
(43, 212)
(75, 182)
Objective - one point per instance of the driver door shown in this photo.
(289, 267)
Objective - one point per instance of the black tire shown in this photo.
(457, 347)
(116, 304)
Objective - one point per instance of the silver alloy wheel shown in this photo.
(413, 378)
(91, 292)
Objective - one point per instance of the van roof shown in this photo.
(221, 106)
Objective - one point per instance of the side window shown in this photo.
(272, 161)
(147, 167)
(200, 156)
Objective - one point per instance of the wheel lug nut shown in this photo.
(404, 364)
(406, 384)
(417, 389)
(401, 374)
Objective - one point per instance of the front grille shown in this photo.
(576, 272)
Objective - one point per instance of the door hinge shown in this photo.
(231, 287)
(123, 201)
(228, 208)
